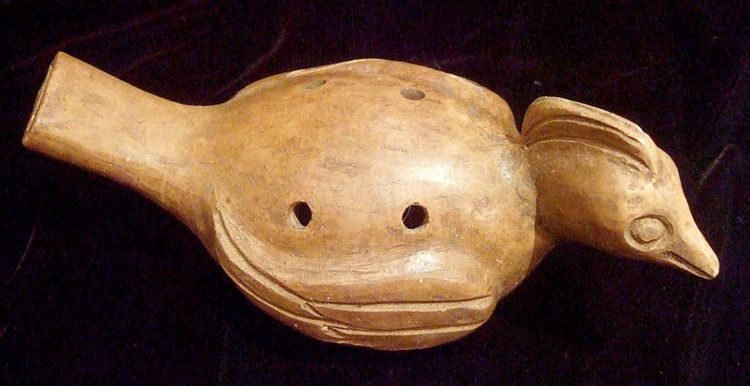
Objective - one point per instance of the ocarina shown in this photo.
(376, 203)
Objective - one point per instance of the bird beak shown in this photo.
(692, 253)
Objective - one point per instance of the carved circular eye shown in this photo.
(648, 229)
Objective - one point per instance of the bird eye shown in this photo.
(648, 229)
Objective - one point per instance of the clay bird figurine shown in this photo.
(372, 202)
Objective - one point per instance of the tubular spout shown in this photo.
(88, 118)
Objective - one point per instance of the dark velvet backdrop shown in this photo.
(102, 287)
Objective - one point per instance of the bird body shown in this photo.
(372, 202)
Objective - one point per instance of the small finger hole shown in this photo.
(301, 214)
(414, 216)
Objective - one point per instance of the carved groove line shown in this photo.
(638, 150)
(224, 239)
(452, 329)
(634, 162)
(258, 273)
(334, 328)
(478, 303)
(685, 262)
(587, 122)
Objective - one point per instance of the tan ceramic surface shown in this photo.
(358, 143)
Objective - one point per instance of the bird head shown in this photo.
(603, 182)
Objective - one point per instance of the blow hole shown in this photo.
(414, 216)
(301, 214)
(412, 93)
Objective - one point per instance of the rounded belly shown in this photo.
(408, 301)
(358, 145)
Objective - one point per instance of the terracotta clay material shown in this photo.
(372, 202)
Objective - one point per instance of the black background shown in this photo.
(102, 287)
